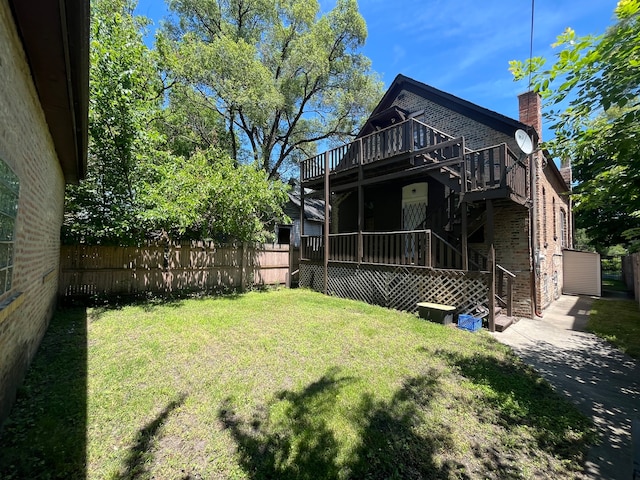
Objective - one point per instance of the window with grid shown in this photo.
(9, 189)
(563, 229)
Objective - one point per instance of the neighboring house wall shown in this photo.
(310, 228)
(27, 148)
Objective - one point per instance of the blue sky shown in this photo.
(462, 46)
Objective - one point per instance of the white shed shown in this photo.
(582, 273)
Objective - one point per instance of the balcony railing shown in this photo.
(416, 247)
(380, 145)
(488, 168)
(495, 167)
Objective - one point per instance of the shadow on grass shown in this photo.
(147, 301)
(298, 446)
(140, 453)
(291, 438)
(45, 434)
(516, 395)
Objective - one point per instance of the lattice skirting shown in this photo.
(400, 288)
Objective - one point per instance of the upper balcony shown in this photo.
(411, 149)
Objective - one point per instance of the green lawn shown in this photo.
(618, 322)
(613, 284)
(282, 384)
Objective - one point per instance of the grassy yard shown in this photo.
(613, 284)
(286, 384)
(618, 322)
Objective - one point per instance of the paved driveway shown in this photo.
(600, 380)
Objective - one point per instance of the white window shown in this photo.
(563, 229)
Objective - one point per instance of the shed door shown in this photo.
(581, 272)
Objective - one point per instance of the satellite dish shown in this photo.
(524, 141)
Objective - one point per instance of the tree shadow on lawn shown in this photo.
(140, 453)
(45, 434)
(298, 444)
(516, 395)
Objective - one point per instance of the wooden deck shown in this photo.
(421, 248)
(407, 251)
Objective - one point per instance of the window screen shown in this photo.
(9, 186)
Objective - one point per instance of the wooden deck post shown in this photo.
(243, 270)
(492, 288)
(464, 234)
(463, 167)
(509, 296)
(301, 208)
(360, 203)
(327, 197)
(490, 222)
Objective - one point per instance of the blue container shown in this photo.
(469, 322)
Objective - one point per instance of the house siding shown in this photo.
(27, 148)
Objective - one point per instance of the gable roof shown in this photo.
(492, 119)
(483, 115)
(55, 38)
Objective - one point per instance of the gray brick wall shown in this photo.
(476, 134)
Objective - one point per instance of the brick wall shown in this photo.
(26, 146)
(552, 201)
(552, 212)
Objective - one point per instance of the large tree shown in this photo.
(593, 89)
(155, 169)
(207, 195)
(123, 102)
(282, 76)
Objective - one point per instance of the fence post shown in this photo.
(243, 270)
(464, 233)
(636, 275)
(290, 263)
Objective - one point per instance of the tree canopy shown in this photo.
(123, 100)
(157, 169)
(281, 76)
(593, 89)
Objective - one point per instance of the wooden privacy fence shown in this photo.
(167, 268)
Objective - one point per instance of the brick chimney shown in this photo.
(565, 171)
(530, 109)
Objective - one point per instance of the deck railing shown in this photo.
(495, 167)
(386, 143)
(415, 247)
(491, 167)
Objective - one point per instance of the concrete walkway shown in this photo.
(600, 380)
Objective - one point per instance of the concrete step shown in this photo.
(502, 322)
